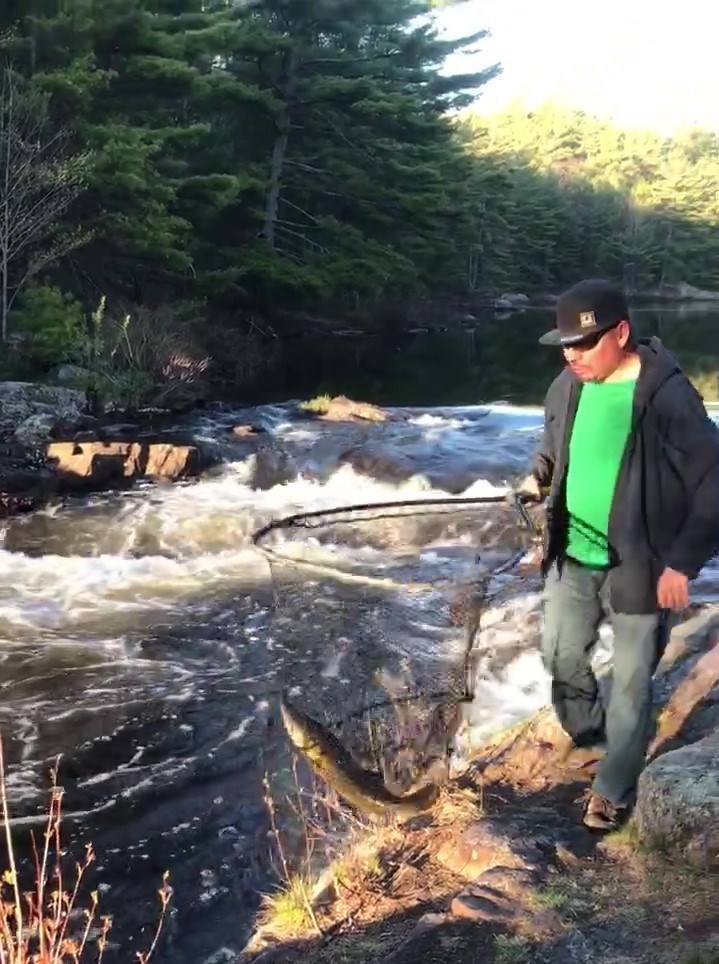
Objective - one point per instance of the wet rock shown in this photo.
(378, 462)
(121, 430)
(99, 464)
(677, 806)
(270, 467)
(23, 487)
(343, 409)
(247, 431)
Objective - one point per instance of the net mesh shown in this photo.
(389, 597)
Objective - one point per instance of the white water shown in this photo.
(138, 640)
(102, 575)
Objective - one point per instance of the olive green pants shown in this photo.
(574, 606)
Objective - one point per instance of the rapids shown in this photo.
(140, 642)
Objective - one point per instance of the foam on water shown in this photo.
(195, 538)
(142, 639)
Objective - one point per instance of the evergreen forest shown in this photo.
(210, 175)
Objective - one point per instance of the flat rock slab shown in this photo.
(103, 462)
(484, 903)
(486, 844)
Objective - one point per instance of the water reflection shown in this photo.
(497, 359)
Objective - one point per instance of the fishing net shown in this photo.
(378, 608)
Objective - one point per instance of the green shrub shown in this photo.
(50, 324)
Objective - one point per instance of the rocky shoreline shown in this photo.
(503, 869)
(434, 315)
(50, 446)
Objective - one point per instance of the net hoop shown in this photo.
(392, 509)
(319, 517)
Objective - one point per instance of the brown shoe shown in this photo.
(602, 814)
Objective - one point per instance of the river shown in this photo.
(144, 641)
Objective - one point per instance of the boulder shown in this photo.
(516, 300)
(30, 412)
(689, 711)
(383, 463)
(343, 409)
(98, 464)
(688, 292)
(247, 431)
(71, 376)
(677, 808)
(685, 292)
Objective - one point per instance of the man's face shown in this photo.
(595, 359)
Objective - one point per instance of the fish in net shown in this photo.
(397, 591)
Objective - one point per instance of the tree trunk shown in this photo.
(279, 149)
(4, 302)
(38, 182)
(6, 123)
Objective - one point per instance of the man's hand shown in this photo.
(673, 590)
(529, 489)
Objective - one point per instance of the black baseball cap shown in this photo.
(588, 308)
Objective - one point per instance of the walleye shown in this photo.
(363, 788)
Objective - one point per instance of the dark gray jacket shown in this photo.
(665, 510)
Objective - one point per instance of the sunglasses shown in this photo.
(592, 340)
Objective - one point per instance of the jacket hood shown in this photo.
(658, 366)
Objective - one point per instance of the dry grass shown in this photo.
(287, 913)
(457, 806)
(624, 841)
(341, 408)
(632, 905)
(349, 871)
(45, 924)
(317, 405)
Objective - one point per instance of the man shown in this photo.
(630, 461)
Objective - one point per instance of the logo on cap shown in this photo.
(587, 319)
